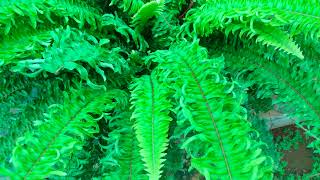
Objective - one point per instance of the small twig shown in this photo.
(185, 12)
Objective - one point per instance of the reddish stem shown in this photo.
(185, 12)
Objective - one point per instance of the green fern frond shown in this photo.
(123, 160)
(268, 35)
(297, 90)
(122, 28)
(69, 48)
(151, 109)
(38, 11)
(146, 12)
(221, 15)
(220, 147)
(167, 26)
(301, 16)
(38, 154)
(23, 100)
(130, 6)
(24, 44)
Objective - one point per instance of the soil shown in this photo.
(299, 160)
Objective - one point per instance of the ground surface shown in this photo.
(299, 160)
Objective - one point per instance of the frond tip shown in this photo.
(243, 20)
(146, 12)
(149, 98)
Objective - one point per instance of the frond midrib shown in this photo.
(152, 117)
(293, 89)
(54, 139)
(211, 117)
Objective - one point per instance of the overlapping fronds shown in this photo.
(151, 115)
(166, 26)
(122, 160)
(301, 16)
(220, 147)
(69, 48)
(153, 89)
(21, 103)
(146, 12)
(130, 6)
(23, 44)
(260, 19)
(122, 28)
(37, 154)
(295, 85)
(39, 11)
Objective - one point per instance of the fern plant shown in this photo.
(156, 89)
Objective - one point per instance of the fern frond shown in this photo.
(22, 101)
(244, 20)
(297, 90)
(37, 10)
(220, 147)
(123, 160)
(37, 154)
(167, 26)
(146, 12)
(122, 28)
(301, 16)
(69, 48)
(130, 6)
(151, 109)
(24, 43)
(268, 35)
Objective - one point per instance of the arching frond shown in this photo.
(146, 12)
(38, 153)
(22, 101)
(122, 160)
(130, 6)
(220, 147)
(297, 90)
(122, 28)
(69, 48)
(301, 16)
(24, 44)
(38, 11)
(258, 23)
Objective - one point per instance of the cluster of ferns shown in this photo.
(152, 89)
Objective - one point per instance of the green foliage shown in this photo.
(152, 121)
(193, 71)
(260, 19)
(296, 90)
(212, 112)
(122, 28)
(68, 49)
(130, 6)
(65, 128)
(54, 11)
(23, 44)
(146, 12)
(122, 158)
